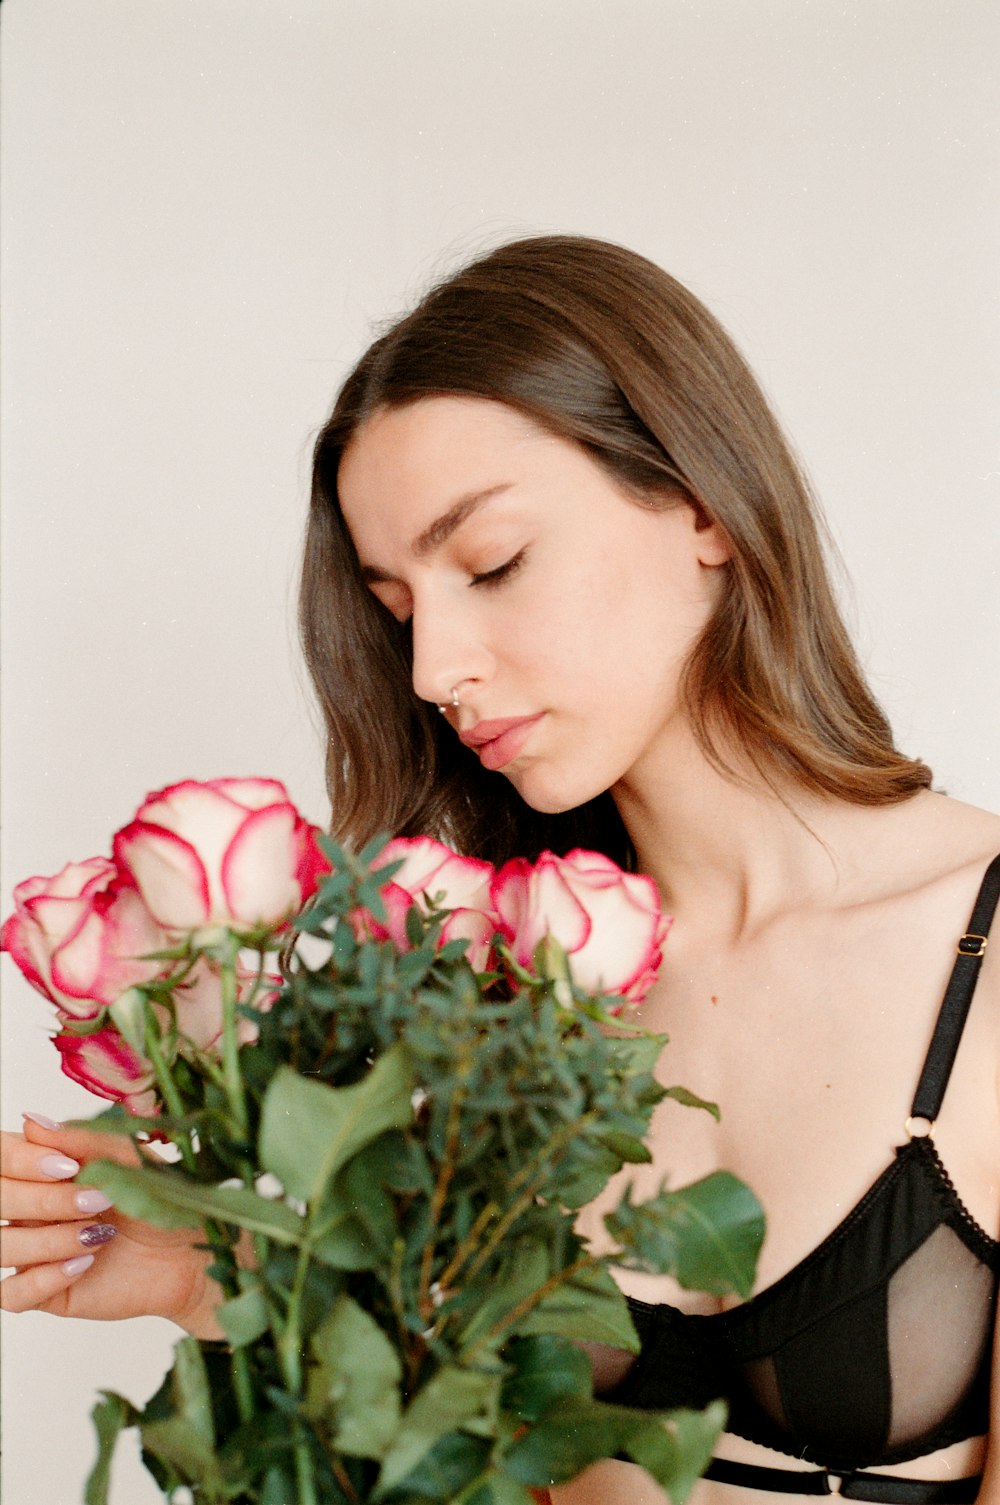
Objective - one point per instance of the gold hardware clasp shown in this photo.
(972, 945)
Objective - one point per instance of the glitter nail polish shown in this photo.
(96, 1234)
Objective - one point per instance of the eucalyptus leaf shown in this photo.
(309, 1130)
(690, 1100)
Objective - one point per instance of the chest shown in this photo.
(811, 1041)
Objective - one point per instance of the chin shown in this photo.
(541, 794)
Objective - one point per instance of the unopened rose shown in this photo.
(608, 922)
(79, 936)
(432, 872)
(232, 852)
(108, 1066)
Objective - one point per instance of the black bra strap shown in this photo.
(883, 1489)
(957, 998)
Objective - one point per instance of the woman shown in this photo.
(553, 505)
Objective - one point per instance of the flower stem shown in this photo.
(167, 1086)
(290, 1354)
(230, 1052)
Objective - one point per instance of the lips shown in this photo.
(499, 742)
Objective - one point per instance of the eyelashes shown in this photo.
(502, 572)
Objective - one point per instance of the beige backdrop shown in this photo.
(206, 205)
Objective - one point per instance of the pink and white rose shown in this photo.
(79, 936)
(231, 852)
(608, 922)
(432, 872)
(109, 1067)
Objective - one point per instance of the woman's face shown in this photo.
(561, 610)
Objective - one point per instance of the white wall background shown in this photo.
(208, 202)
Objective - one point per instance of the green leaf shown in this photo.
(678, 1453)
(244, 1318)
(170, 1200)
(309, 1130)
(707, 1235)
(524, 1271)
(344, 1245)
(673, 1446)
(626, 1147)
(186, 1439)
(498, 1489)
(689, 1100)
(590, 1310)
(546, 1368)
(447, 1470)
(454, 1398)
(636, 1055)
(110, 1416)
(357, 1378)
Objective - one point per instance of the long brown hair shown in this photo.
(599, 346)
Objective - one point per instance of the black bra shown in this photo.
(876, 1347)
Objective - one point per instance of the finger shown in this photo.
(40, 1284)
(79, 1144)
(37, 1202)
(22, 1161)
(47, 1245)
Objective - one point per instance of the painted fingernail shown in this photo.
(96, 1234)
(58, 1167)
(41, 1120)
(92, 1201)
(78, 1265)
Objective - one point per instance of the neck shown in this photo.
(729, 855)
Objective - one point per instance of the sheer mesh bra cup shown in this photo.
(876, 1347)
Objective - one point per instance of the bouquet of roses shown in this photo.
(391, 1079)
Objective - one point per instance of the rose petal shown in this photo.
(109, 1068)
(167, 872)
(258, 869)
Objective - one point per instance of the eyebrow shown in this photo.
(440, 530)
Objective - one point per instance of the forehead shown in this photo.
(405, 464)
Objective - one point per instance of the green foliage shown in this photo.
(406, 1290)
(707, 1235)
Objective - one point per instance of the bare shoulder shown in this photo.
(931, 843)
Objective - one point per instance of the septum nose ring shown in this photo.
(444, 709)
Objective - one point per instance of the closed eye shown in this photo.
(502, 571)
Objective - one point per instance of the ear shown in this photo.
(712, 544)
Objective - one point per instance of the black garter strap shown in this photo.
(879, 1489)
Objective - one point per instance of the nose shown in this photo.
(447, 651)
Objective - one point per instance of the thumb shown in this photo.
(80, 1144)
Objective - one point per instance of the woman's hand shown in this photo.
(65, 1260)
